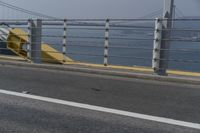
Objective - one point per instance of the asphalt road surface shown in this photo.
(168, 100)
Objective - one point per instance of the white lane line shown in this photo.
(106, 110)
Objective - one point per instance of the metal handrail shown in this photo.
(138, 36)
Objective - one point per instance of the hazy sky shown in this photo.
(103, 8)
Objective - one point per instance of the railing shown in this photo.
(127, 42)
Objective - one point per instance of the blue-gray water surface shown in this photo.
(127, 46)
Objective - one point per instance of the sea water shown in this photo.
(79, 48)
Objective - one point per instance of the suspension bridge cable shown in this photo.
(25, 10)
(157, 12)
(147, 16)
(180, 14)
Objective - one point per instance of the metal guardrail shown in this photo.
(103, 39)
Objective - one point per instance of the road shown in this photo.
(168, 100)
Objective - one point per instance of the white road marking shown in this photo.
(106, 110)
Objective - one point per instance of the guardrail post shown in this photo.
(166, 35)
(30, 40)
(157, 46)
(106, 44)
(34, 40)
(37, 41)
(64, 49)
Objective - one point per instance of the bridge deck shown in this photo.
(162, 99)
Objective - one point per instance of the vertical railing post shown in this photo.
(106, 43)
(36, 40)
(166, 35)
(64, 49)
(30, 28)
(157, 46)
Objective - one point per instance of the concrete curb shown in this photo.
(108, 72)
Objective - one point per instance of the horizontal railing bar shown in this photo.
(124, 47)
(104, 19)
(136, 28)
(93, 37)
(99, 19)
(179, 29)
(17, 34)
(185, 40)
(150, 39)
(76, 45)
(15, 20)
(61, 28)
(23, 27)
(182, 50)
(85, 28)
(57, 52)
(32, 50)
(14, 23)
(115, 28)
(131, 26)
(88, 54)
(83, 41)
(85, 37)
(180, 60)
(75, 53)
(184, 19)
(141, 58)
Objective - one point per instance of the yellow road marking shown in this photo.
(136, 68)
(195, 74)
(11, 58)
(112, 66)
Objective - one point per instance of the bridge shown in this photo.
(99, 75)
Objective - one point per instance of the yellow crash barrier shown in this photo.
(18, 38)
